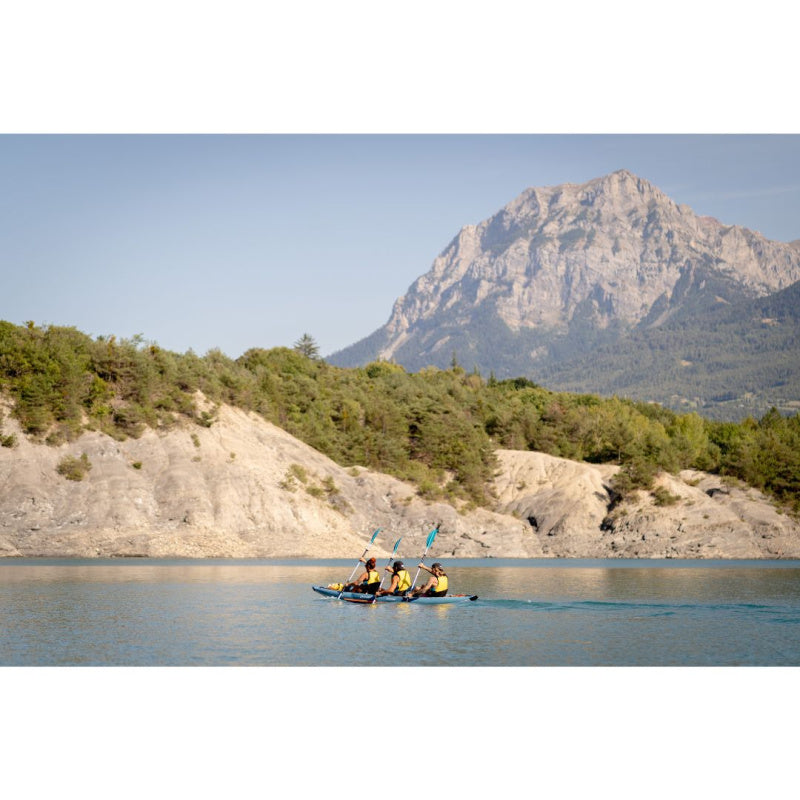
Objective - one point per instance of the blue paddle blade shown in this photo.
(431, 537)
(374, 535)
(396, 545)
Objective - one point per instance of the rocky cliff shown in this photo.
(615, 249)
(244, 488)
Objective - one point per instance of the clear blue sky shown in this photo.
(203, 241)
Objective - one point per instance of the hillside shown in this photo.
(685, 363)
(244, 488)
(241, 488)
(438, 430)
(565, 274)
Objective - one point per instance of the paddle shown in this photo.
(380, 585)
(431, 537)
(359, 561)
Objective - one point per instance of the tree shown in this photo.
(307, 347)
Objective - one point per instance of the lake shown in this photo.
(539, 612)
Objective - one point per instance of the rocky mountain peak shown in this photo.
(617, 238)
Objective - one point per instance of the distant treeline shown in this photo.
(436, 428)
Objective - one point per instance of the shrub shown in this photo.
(663, 497)
(299, 472)
(74, 469)
(206, 418)
(636, 474)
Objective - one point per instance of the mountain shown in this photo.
(589, 274)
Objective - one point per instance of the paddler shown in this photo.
(436, 585)
(368, 581)
(401, 580)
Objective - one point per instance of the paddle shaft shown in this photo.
(414, 582)
(359, 560)
(380, 585)
(431, 537)
(355, 568)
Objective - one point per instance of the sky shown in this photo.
(237, 241)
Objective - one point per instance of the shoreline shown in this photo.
(489, 562)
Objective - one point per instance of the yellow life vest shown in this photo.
(372, 576)
(441, 585)
(403, 580)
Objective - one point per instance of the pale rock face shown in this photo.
(603, 251)
(247, 489)
(708, 520)
(575, 514)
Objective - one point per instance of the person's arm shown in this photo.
(360, 579)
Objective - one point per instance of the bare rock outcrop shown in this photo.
(693, 515)
(696, 515)
(563, 501)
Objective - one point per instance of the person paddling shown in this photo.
(369, 580)
(437, 584)
(401, 580)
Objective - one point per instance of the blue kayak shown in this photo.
(356, 597)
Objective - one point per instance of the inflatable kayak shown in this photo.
(355, 597)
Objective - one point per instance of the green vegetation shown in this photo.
(307, 347)
(6, 440)
(731, 359)
(663, 497)
(74, 469)
(435, 428)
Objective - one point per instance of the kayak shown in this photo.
(356, 597)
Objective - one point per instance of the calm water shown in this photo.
(530, 613)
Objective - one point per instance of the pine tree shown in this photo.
(307, 347)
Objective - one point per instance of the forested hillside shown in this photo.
(437, 428)
(750, 346)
